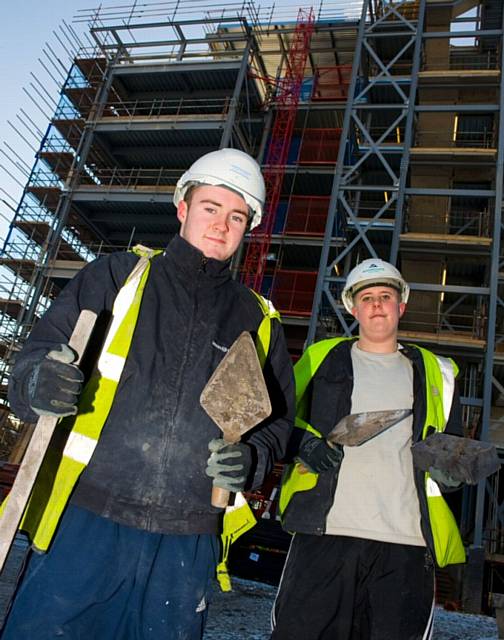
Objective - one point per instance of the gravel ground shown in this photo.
(244, 613)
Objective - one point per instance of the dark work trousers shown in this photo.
(342, 588)
(104, 581)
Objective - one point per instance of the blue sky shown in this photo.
(25, 27)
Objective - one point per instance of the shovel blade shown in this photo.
(357, 428)
(236, 396)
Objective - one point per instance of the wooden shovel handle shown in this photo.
(37, 447)
(220, 497)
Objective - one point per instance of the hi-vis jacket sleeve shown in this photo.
(94, 287)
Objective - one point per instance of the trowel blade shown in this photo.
(464, 459)
(357, 428)
(236, 396)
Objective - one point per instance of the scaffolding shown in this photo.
(419, 183)
(287, 93)
(377, 125)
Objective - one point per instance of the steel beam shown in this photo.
(338, 174)
(474, 591)
(173, 68)
(231, 115)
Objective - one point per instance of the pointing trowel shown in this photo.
(236, 397)
(357, 428)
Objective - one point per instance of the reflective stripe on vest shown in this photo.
(304, 370)
(440, 376)
(264, 330)
(238, 519)
(56, 480)
(60, 471)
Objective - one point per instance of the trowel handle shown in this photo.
(220, 497)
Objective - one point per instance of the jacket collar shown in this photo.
(410, 351)
(407, 350)
(192, 261)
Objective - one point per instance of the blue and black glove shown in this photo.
(55, 384)
(229, 464)
(317, 455)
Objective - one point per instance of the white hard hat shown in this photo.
(370, 273)
(227, 168)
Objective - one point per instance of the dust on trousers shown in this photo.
(102, 580)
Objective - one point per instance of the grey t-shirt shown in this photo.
(376, 496)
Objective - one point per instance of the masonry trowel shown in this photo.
(236, 397)
(357, 428)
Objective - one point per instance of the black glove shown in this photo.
(55, 384)
(443, 478)
(317, 455)
(229, 464)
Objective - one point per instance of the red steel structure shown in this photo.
(307, 215)
(287, 99)
(293, 291)
(319, 146)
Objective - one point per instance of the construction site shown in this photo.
(377, 127)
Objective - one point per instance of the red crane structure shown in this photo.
(287, 99)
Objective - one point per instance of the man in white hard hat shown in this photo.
(136, 546)
(368, 526)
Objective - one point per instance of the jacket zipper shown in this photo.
(167, 450)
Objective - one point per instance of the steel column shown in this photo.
(233, 107)
(333, 202)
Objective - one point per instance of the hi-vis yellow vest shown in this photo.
(440, 376)
(239, 518)
(77, 436)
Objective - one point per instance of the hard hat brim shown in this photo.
(386, 282)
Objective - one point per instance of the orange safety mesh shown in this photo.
(307, 215)
(319, 146)
(292, 291)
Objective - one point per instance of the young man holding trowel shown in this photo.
(137, 542)
(368, 525)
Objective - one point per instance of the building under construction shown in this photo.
(377, 124)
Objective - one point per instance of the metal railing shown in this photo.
(56, 145)
(159, 107)
(439, 139)
(21, 250)
(454, 221)
(440, 321)
(467, 59)
(111, 177)
(431, 316)
(154, 108)
(482, 138)
(44, 178)
(135, 177)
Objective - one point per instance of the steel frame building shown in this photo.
(378, 127)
